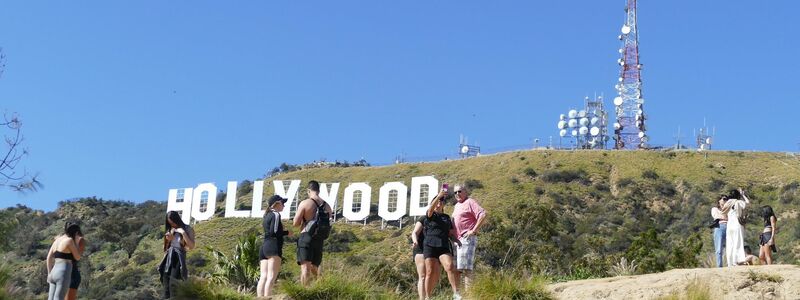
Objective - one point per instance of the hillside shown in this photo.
(560, 215)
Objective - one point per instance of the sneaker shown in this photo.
(456, 296)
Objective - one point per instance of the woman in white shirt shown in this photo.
(719, 230)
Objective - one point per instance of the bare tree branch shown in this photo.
(14, 152)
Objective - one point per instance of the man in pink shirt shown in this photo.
(468, 216)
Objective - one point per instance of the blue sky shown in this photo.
(127, 100)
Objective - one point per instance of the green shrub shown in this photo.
(332, 287)
(142, 258)
(530, 172)
(473, 184)
(339, 241)
(648, 251)
(564, 176)
(198, 289)
(504, 286)
(650, 174)
(716, 185)
(695, 290)
(242, 267)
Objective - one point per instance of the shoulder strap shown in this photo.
(276, 221)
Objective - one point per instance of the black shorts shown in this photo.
(309, 249)
(75, 279)
(435, 252)
(415, 252)
(765, 236)
(271, 247)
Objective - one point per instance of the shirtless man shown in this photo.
(309, 249)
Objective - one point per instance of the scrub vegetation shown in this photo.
(553, 216)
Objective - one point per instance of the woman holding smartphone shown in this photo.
(437, 249)
(178, 238)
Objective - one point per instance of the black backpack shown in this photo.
(321, 224)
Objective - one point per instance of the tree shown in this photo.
(14, 152)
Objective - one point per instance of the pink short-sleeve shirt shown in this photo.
(466, 214)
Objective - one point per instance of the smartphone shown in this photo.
(446, 187)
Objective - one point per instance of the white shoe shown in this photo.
(456, 297)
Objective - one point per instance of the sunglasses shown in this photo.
(459, 192)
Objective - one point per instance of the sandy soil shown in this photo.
(723, 283)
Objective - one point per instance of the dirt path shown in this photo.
(723, 283)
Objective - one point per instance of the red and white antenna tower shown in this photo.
(629, 130)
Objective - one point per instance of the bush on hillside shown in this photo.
(339, 241)
(505, 286)
(716, 185)
(648, 251)
(530, 172)
(473, 184)
(199, 289)
(650, 174)
(565, 176)
(332, 286)
(686, 253)
(240, 268)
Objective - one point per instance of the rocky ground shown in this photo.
(745, 282)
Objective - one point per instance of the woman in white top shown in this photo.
(734, 239)
(720, 229)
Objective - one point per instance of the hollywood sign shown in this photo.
(190, 205)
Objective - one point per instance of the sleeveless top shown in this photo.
(437, 230)
(62, 255)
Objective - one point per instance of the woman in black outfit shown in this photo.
(178, 238)
(437, 249)
(272, 248)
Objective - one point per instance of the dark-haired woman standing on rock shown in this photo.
(767, 238)
(178, 238)
(60, 258)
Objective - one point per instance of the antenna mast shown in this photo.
(629, 130)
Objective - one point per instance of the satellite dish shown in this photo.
(639, 66)
(620, 50)
(573, 123)
(617, 101)
(641, 134)
(708, 141)
(563, 132)
(582, 113)
(617, 125)
(595, 120)
(572, 113)
(584, 130)
(562, 124)
(638, 117)
(619, 37)
(574, 132)
(595, 131)
(584, 121)
(464, 149)
(592, 142)
(620, 79)
(562, 117)
(626, 29)
(639, 106)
